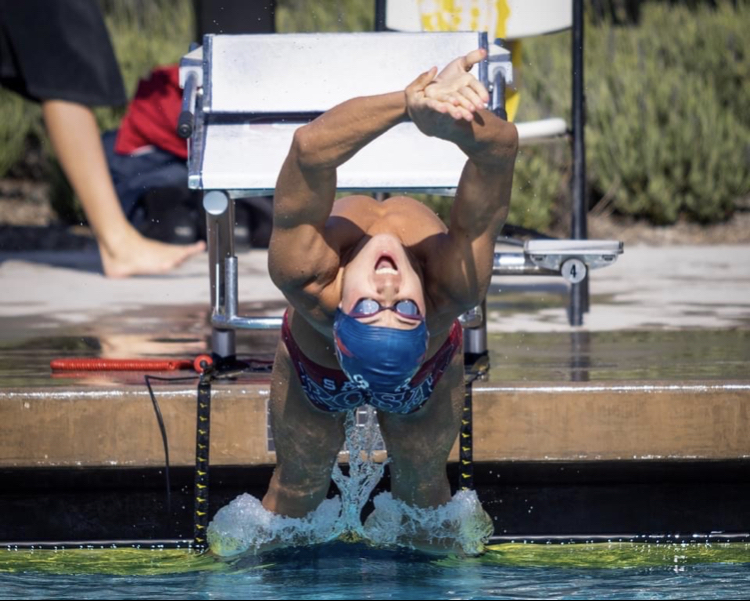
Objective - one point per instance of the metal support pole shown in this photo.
(475, 321)
(380, 15)
(475, 338)
(220, 237)
(579, 292)
(498, 96)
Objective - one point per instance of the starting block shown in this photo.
(572, 259)
(245, 95)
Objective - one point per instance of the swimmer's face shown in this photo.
(381, 270)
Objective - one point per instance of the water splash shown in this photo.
(364, 473)
(246, 526)
(459, 526)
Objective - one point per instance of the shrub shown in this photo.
(145, 34)
(19, 120)
(539, 187)
(667, 131)
(663, 135)
(342, 15)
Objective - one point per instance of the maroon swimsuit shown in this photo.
(331, 390)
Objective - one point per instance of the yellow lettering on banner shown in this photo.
(503, 12)
(474, 15)
(442, 23)
(465, 15)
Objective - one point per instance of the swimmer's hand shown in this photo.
(437, 103)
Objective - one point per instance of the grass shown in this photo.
(668, 130)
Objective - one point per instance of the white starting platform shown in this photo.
(245, 95)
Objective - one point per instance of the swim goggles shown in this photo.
(367, 307)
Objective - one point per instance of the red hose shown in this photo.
(89, 364)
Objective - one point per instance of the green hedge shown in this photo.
(20, 120)
(144, 33)
(668, 130)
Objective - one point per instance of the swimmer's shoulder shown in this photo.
(411, 208)
(313, 337)
(367, 212)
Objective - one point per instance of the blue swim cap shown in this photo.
(379, 358)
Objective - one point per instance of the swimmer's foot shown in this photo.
(137, 255)
(459, 527)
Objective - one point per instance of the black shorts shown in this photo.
(58, 50)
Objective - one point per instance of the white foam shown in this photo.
(461, 525)
(244, 525)
(364, 473)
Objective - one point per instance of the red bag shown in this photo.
(151, 119)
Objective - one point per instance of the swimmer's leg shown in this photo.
(307, 441)
(418, 445)
(294, 511)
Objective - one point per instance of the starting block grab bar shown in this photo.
(570, 259)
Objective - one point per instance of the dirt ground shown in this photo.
(734, 231)
(28, 222)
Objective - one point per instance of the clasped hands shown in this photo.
(442, 104)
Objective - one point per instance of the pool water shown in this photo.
(354, 571)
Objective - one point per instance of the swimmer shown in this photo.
(375, 290)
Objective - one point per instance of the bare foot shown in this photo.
(136, 255)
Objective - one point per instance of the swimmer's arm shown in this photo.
(463, 264)
(300, 257)
(451, 107)
(306, 186)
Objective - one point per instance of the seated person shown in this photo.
(64, 60)
(148, 164)
(375, 290)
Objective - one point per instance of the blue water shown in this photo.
(342, 571)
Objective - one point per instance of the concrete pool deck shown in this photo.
(667, 342)
(647, 288)
(638, 422)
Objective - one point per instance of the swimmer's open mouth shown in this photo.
(386, 266)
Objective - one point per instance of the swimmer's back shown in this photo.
(354, 217)
(353, 220)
